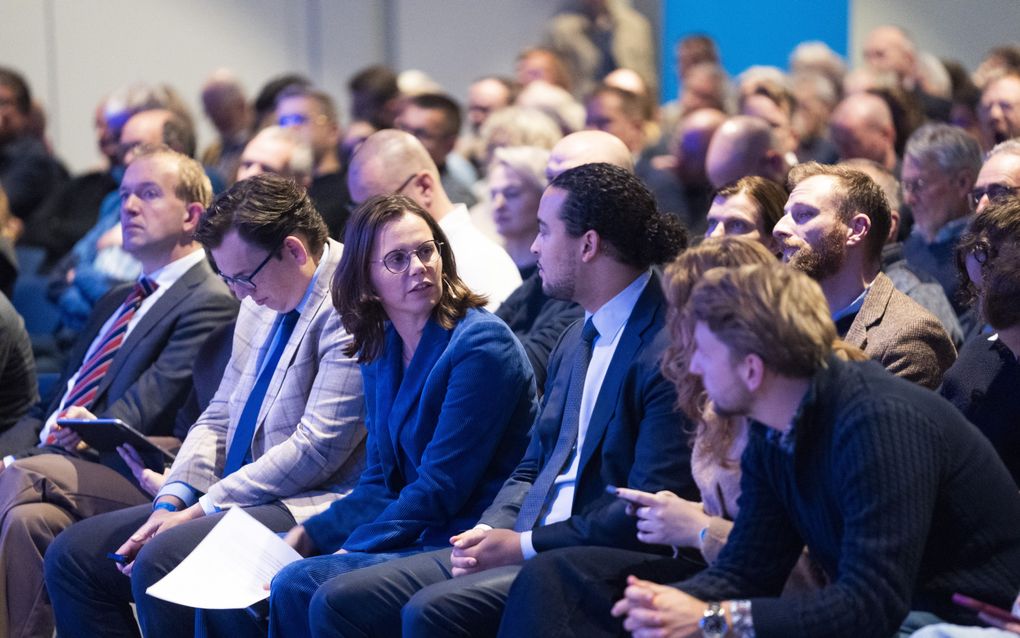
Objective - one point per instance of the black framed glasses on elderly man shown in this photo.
(398, 261)
(245, 282)
(993, 191)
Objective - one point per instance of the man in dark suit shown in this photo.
(607, 419)
(837, 220)
(139, 349)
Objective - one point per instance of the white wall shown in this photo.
(73, 52)
(963, 30)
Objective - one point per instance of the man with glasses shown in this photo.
(999, 110)
(314, 117)
(940, 164)
(283, 436)
(393, 161)
(132, 362)
(275, 149)
(435, 119)
(999, 176)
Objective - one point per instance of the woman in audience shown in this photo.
(516, 181)
(750, 208)
(663, 518)
(449, 399)
(984, 382)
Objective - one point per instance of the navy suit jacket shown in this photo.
(635, 437)
(442, 437)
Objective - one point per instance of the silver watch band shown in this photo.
(740, 614)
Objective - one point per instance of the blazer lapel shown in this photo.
(638, 330)
(871, 312)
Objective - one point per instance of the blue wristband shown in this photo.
(164, 505)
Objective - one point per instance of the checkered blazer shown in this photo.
(308, 447)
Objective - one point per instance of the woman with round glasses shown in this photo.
(984, 382)
(449, 399)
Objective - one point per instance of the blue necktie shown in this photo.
(535, 501)
(250, 415)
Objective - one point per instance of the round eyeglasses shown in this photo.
(398, 261)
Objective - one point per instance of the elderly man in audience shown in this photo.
(940, 164)
(132, 362)
(588, 147)
(862, 126)
(999, 109)
(277, 150)
(282, 437)
(313, 116)
(896, 496)
(607, 420)
(999, 175)
(745, 145)
(396, 162)
(836, 222)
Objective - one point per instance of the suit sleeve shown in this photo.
(922, 353)
(151, 402)
(470, 430)
(661, 461)
(329, 431)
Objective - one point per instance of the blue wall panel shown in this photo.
(751, 31)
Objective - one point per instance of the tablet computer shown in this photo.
(106, 434)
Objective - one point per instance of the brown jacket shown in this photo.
(897, 332)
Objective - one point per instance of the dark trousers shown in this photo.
(412, 596)
(91, 598)
(570, 591)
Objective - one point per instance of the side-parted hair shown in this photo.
(768, 196)
(353, 296)
(714, 434)
(264, 210)
(855, 193)
(776, 313)
(192, 182)
(617, 205)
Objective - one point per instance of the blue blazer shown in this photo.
(636, 438)
(442, 438)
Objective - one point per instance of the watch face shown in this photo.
(713, 623)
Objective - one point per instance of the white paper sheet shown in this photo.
(229, 568)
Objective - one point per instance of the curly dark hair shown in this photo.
(617, 205)
(991, 232)
(360, 308)
(264, 210)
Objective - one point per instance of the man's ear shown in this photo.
(752, 372)
(591, 244)
(859, 227)
(424, 187)
(193, 214)
(296, 249)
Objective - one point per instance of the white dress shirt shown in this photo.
(482, 263)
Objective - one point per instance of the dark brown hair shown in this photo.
(360, 308)
(768, 196)
(993, 230)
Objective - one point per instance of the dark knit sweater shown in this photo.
(898, 498)
(984, 384)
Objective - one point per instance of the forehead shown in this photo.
(550, 205)
(913, 166)
(1003, 168)
(268, 148)
(764, 108)
(234, 255)
(706, 341)
(416, 116)
(487, 91)
(816, 191)
(738, 205)
(143, 128)
(298, 104)
(158, 169)
(407, 231)
(1005, 87)
(503, 174)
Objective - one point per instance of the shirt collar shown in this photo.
(170, 273)
(787, 440)
(852, 308)
(613, 315)
(949, 232)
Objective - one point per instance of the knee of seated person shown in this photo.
(291, 583)
(421, 613)
(58, 562)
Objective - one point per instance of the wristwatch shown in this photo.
(713, 623)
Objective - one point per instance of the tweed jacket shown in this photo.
(308, 447)
(905, 338)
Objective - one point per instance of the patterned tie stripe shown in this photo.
(92, 371)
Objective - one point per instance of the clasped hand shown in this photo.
(651, 610)
(479, 549)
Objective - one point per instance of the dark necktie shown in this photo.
(535, 502)
(92, 372)
(241, 442)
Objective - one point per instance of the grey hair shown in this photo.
(301, 161)
(1009, 147)
(948, 147)
(527, 162)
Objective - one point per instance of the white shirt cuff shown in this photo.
(179, 489)
(527, 549)
(207, 505)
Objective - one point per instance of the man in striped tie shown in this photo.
(132, 362)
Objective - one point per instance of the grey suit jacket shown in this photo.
(905, 338)
(308, 447)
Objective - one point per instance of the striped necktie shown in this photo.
(91, 373)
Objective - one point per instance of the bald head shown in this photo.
(889, 48)
(588, 147)
(743, 146)
(693, 136)
(862, 126)
(385, 162)
(224, 102)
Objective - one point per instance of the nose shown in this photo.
(909, 196)
(718, 231)
(239, 291)
(534, 246)
(415, 264)
(782, 230)
(498, 201)
(982, 204)
(130, 204)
